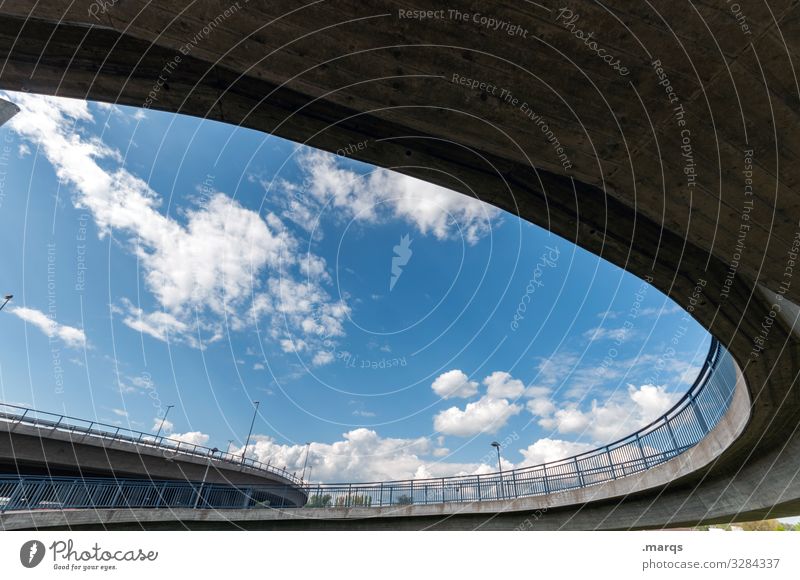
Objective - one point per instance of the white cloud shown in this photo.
(160, 325)
(431, 209)
(652, 401)
(485, 415)
(321, 358)
(69, 335)
(546, 450)
(258, 367)
(619, 334)
(167, 427)
(361, 455)
(192, 437)
(615, 418)
(454, 383)
(215, 258)
(119, 412)
(501, 385)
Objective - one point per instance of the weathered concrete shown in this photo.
(333, 75)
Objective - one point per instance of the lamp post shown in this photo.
(7, 298)
(205, 475)
(163, 420)
(228, 450)
(308, 450)
(253, 422)
(496, 445)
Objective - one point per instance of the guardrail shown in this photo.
(96, 429)
(680, 428)
(30, 493)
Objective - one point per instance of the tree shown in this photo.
(319, 501)
(403, 500)
(761, 526)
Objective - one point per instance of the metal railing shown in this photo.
(59, 493)
(83, 428)
(680, 428)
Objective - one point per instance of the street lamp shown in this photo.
(163, 420)
(253, 422)
(7, 298)
(308, 450)
(228, 450)
(496, 445)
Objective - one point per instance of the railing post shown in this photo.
(641, 450)
(19, 420)
(672, 435)
(443, 490)
(611, 463)
(380, 501)
(412, 491)
(349, 495)
(514, 480)
(578, 472)
(546, 483)
(699, 415)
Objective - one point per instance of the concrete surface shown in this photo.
(333, 75)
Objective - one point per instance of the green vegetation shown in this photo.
(354, 500)
(403, 500)
(758, 526)
(319, 501)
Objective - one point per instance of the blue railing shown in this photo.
(682, 427)
(36, 493)
(83, 428)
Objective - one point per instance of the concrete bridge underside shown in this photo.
(333, 75)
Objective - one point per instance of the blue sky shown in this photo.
(398, 327)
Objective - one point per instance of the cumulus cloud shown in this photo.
(362, 455)
(191, 437)
(212, 258)
(69, 335)
(485, 415)
(546, 450)
(613, 419)
(433, 210)
(501, 385)
(454, 383)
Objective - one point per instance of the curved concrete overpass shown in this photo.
(681, 168)
(33, 443)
